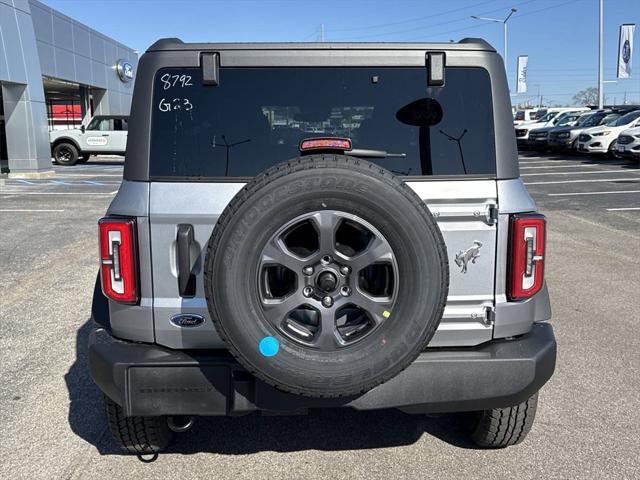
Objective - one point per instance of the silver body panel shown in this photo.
(467, 211)
(199, 204)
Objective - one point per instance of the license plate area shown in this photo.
(183, 390)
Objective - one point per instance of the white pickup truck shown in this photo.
(105, 135)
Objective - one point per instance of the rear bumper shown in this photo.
(151, 380)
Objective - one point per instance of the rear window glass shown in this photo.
(256, 118)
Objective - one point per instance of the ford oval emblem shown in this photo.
(187, 320)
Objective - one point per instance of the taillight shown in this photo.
(118, 266)
(527, 244)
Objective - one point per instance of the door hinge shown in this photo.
(491, 213)
(489, 315)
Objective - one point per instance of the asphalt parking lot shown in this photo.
(587, 424)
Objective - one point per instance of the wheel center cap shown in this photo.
(327, 281)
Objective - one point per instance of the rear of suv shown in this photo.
(320, 226)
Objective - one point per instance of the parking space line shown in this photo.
(610, 192)
(56, 193)
(541, 161)
(59, 182)
(622, 209)
(559, 166)
(579, 173)
(28, 210)
(581, 181)
(90, 175)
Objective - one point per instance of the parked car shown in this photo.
(628, 144)
(603, 139)
(565, 138)
(538, 137)
(243, 270)
(550, 119)
(523, 116)
(105, 135)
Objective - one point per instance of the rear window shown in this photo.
(256, 117)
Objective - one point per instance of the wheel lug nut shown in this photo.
(345, 291)
(308, 270)
(327, 301)
(326, 260)
(307, 291)
(345, 270)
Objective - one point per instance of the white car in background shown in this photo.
(105, 135)
(550, 119)
(603, 139)
(523, 116)
(628, 144)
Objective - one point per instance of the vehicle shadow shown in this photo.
(105, 162)
(322, 429)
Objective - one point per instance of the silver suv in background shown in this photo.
(105, 135)
(549, 119)
(563, 138)
(539, 137)
(320, 226)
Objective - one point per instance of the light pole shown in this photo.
(504, 25)
(600, 55)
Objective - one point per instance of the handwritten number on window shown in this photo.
(169, 81)
(175, 104)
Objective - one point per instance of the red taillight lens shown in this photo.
(118, 259)
(325, 143)
(528, 236)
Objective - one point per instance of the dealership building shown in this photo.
(52, 66)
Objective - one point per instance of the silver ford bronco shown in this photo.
(320, 226)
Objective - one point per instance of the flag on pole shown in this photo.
(625, 48)
(521, 81)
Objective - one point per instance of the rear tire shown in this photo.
(137, 435)
(65, 154)
(503, 427)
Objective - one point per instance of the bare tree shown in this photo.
(588, 96)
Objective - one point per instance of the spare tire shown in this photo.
(326, 276)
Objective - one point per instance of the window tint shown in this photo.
(120, 124)
(103, 124)
(256, 118)
(549, 116)
(625, 119)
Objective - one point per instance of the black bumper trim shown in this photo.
(152, 380)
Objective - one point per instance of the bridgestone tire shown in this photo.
(65, 154)
(137, 435)
(503, 427)
(316, 183)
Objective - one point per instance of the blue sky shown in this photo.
(560, 36)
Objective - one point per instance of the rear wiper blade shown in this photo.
(366, 153)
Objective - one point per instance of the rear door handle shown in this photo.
(186, 279)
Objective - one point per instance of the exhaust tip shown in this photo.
(180, 423)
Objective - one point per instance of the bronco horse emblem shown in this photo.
(470, 254)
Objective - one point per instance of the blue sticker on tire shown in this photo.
(269, 346)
